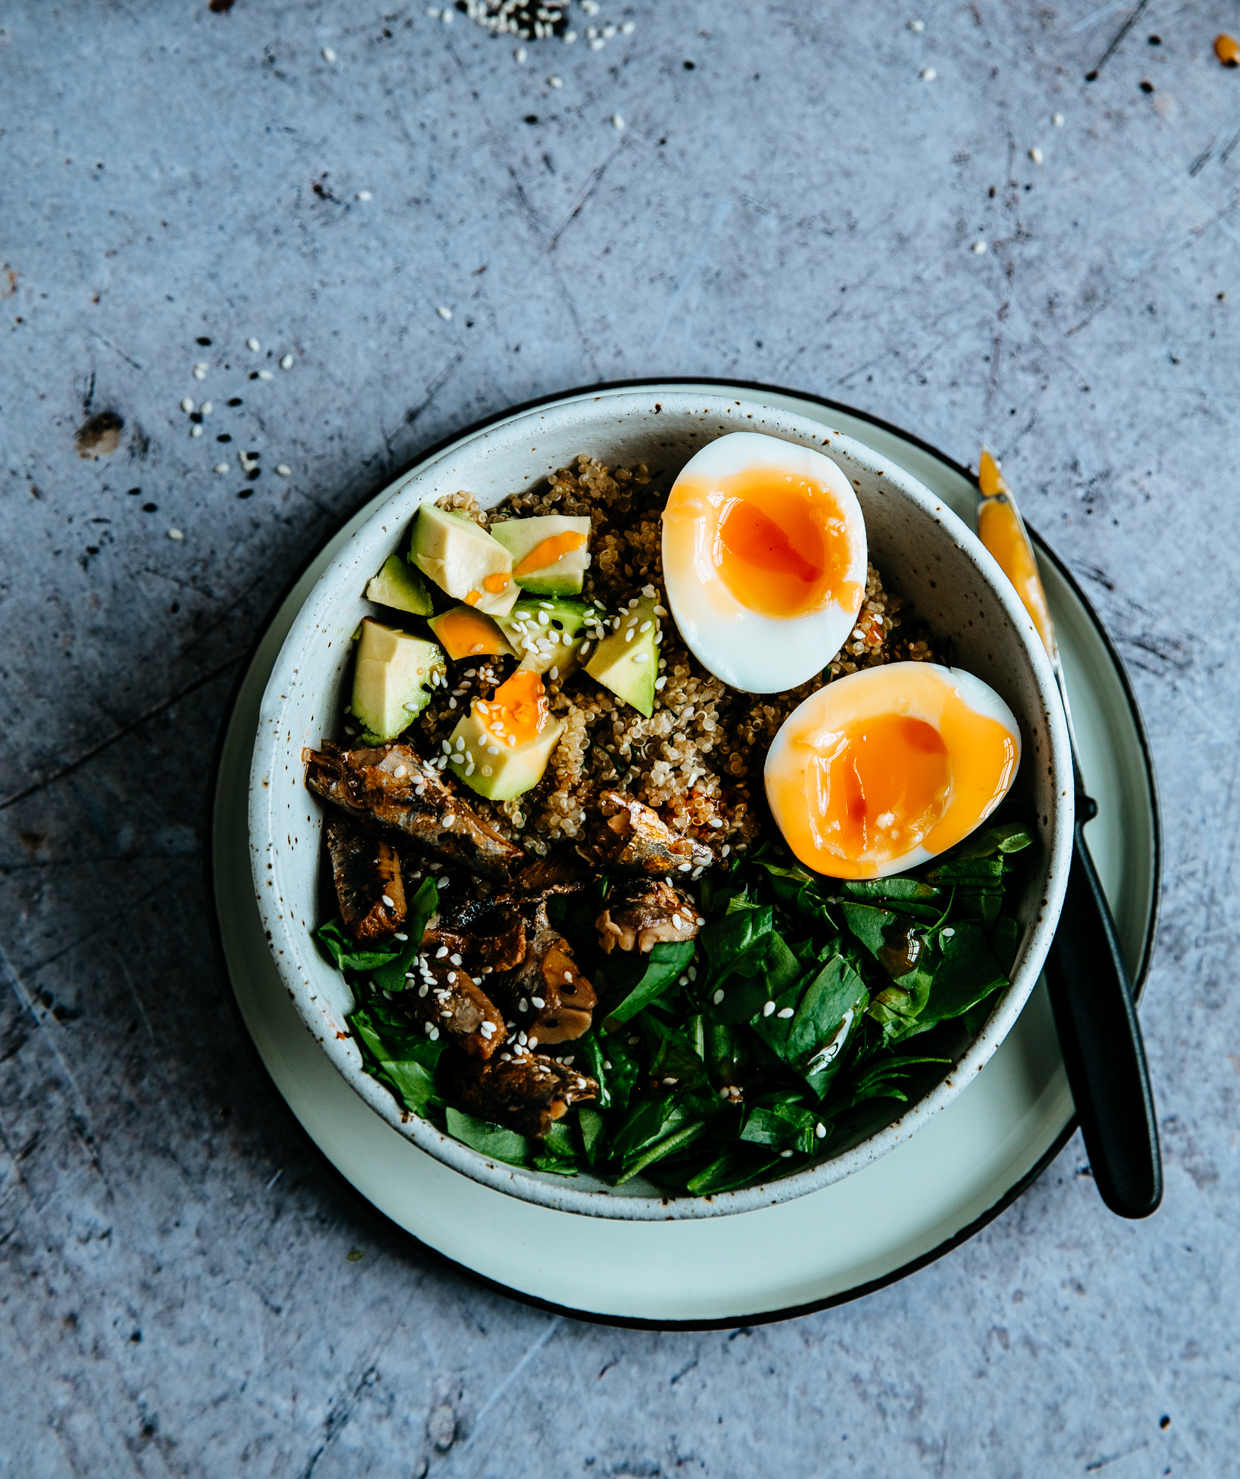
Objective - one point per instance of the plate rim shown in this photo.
(859, 1291)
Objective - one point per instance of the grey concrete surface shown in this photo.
(800, 206)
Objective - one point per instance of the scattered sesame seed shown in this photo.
(398, 935)
(785, 1154)
(617, 122)
(221, 467)
(518, 56)
(538, 1001)
(328, 54)
(820, 1130)
(253, 344)
(785, 1012)
(286, 362)
(265, 375)
(441, 953)
(628, 28)
(388, 901)
(979, 247)
(200, 372)
(444, 313)
(195, 431)
(1057, 119)
(175, 534)
(364, 195)
(206, 408)
(1035, 154)
(284, 470)
(555, 82)
(718, 996)
(768, 1008)
(917, 25)
(928, 74)
(187, 405)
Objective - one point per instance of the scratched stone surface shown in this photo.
(792, 198)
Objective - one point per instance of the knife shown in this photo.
(1090, 989)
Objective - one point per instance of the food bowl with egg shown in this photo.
(660, 808)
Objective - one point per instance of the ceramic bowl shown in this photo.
(925, 553)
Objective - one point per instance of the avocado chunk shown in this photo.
(466, 632)
(627, 660)
(400, 586)
(550, 554)
(463, 560)
(549, 633)
(393, 678)
(504, 743)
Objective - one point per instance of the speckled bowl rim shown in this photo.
(297, 958)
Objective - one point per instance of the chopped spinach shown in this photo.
(728, 1059)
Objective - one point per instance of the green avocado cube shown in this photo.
(627, 660)
(497, 770)
(400, 586)
(550, 554)
(549, 633)
(393, 678)
(463, 560)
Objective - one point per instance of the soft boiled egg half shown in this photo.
(888, 767)
(764, 559)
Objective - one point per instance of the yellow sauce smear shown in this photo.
(549, 551)
(517, 711)
(857, 790)
(470, 634)
(778, 542)
(1001, 531)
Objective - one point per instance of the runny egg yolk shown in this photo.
(777, 540)
(888, 767)
(517, 711)
(549, 552)
(466, 633)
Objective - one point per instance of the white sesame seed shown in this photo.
(187, 405)
(265, 375)
(979, 247)
(820, 1130)
(1057, 119)
(538, 1002)
(718, 996)
(597, 44)
(487, 1029)
(628, 28)
(569, 37)
(1035, 154)
(451, 980)
(195, 431)
(660, 683)
(363, 195)
(928, 74)
(444, 313)
(284, 470)
(555, 82)
(328, 54)
(785, 1154)
(784, 1012)
(917, 25)
(768, 1008)
(441, 953)
(617, 122)
(286, 362)
(446, 16)
(518, 56)
(253, 344)
(388, 901)
(206, 408)
(460, 742)
(200, 372)
(175, 534)
(402, 938)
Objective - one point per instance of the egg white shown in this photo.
(747, 649)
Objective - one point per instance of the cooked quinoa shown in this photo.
(698, 759)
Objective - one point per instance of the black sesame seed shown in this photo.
(235, 401)
(133, 492)
(204, 342)
(689, 66)
(245, 492)
(196, 416)
(254, 473)
(224, 436)
(150, 508)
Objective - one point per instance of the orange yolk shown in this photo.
(496, 583)
(469, 634)
(777, 541)
(549, 551)
(1001, 531)
(517, 712)
(853, 792)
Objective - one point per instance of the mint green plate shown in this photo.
(914, 1204)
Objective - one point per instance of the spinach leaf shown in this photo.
(679, 1137)
(981, 903)
(736, 1167)
(899, 1008)
(977, 871)
(612, 1064)
(880, 1081)
(1004, 941)
(668, 961)
(557, 1153)
(868, 924)
(391, 976)
(1005, 837)
(818, 1012)
(672, 1053)
(396, 1054)
(968, 971)
(898, 887)
(490, 1140)
(782, 1126)
(732, 940)
(643, 1124)
(593, 1127)
(344, 953)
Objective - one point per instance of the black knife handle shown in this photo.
(1100, 1038)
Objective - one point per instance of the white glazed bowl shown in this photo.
(924, 552)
